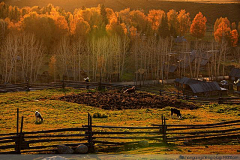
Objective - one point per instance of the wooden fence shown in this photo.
(40, 86)
(111, 136)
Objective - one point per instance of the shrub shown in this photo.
(220, 111)
(99, 115)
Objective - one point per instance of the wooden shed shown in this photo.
(234, 74)
(238, 86)
(207, 88)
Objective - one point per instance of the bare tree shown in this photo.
(22, 55)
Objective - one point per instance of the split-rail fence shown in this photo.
(98, 137)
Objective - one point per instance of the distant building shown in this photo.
(234, 74)
(196, 87)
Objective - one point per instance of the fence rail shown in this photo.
(66, 83)
(46, 141)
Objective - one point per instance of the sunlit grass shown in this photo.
(60, 114)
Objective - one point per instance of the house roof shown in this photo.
(186, 80)
(177, 80)
(180, 39)
(235, 72)
(171, 69)
(205, 87)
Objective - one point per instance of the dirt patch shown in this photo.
(113, 100)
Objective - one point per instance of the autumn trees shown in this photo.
(97, 42)
(223, 32)
(198, 26)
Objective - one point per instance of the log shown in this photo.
(126, 132)
(218, 131)
(67, 135)
(54, 140)
(174, 129)
(123, 127)
(180, 125)
(7, 146)
(7, 141)
(129, 137)
(56, 130)
(209, 135)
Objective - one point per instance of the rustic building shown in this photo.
(196, 87)
(234, 74)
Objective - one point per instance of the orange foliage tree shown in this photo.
(219, 21)
(223, 31)
(155, 18)
(198, 26)
(234, 37)
(183, 22)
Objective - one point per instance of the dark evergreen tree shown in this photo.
(163, 29)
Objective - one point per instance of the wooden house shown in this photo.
(197, 87)
(234, 74)
(207, 88)
(238, 87)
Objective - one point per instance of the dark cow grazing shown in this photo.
(38, 116)
(176, 111)
(130, 90)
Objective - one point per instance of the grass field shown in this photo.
(61, 114)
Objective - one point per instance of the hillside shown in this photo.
(211, 10)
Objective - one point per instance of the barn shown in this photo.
(195, 87)
(207, 89)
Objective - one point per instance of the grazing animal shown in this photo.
(176, 111)
(86, 79)
(38, 116)
(130, 90)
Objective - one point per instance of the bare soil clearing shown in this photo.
(116, 101)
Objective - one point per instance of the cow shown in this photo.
(38, 116)
(176, 111)
(130, 90)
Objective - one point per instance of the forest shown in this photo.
(43, 44)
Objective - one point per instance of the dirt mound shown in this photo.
(113, 100)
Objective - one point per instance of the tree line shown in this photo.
(98, 42)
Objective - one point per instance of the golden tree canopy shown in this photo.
(198, 26)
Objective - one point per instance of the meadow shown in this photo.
(60, 114)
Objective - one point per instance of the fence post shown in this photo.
(17, 119)
(164, 131)
(90, 138)
(19, 139)
(63, 84)
(28, 85)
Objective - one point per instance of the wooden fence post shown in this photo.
(63, 84)
(17, 119)
(90, 138)
(19, 139)
(28, 85)
(164, 131)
